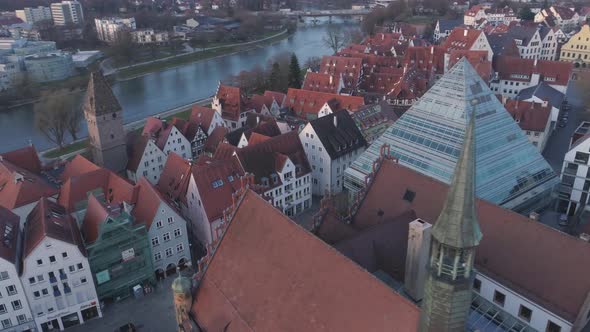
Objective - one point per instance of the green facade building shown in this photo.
(118, 251)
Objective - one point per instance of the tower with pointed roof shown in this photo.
(106, 134)
(454, 238)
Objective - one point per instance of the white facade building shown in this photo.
(149, 36)
(147, 160)
(575, 175)
(15, 313)
(59, 283)
(34, 14)
(67, 13)
(110, 30)
(331, 144)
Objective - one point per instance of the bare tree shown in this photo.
(335, 39)
(56, 115)
(312, 63)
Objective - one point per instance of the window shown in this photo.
(64, 255)
(51, 259)
(159, 224)
(21, 319)
(2, 309)
(409, 195)
(3, 275)
(476, 285)
(499, 298)
(44, 291)
(145, 173)
(146, 164)
(72, 268)
(6, 323)
(80, 266)
(525, 313)
(39, 262)
(157, 256)
(11, 290)
(552, 327)
(170, 220)
(155, 241)
(16, 305)
(177, 232)
(166, 237)
(36, 294)
(32, 280)
(83, 280)
(179, 247)
(169, 252)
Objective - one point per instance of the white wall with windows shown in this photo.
(151, 164)
(15, 313)
(519, 306)
(58, 284)
(177, 143)
(293, 195)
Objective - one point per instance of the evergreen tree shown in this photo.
(294, 73)
(274, 80)
(526, 14)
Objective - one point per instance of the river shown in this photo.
(159, 91)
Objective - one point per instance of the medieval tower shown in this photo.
(454, 238)
(183, 300)
(105, 125)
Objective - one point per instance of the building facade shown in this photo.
(149, 36)
(67, 13)
(15, 313)
(331, 144)
(577, 50)
(34, 14)
(106, 133)
(110, 30)
(575, 174)
(60, 286)
(146, 160)
(49, 66)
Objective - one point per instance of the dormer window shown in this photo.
(275, 178)
(264, 181)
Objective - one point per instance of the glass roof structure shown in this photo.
(428, 138)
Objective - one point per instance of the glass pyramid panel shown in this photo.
(429, 137)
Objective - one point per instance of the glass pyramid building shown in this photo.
(428, 138)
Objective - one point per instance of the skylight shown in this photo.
(217, 183)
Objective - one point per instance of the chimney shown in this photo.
(464, 32)
(431, 49)
(545, 103)
(18, 177)
(417, 258)
(535, 63)
(335, 121)
(331, 79)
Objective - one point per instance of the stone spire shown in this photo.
(455, 236)
(99, 98)
(457, 224)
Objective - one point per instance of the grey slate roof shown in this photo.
(99, 96)
(339, 139)
(524, 33)
(457, 224)
(444, 25)
(501, 43)
(544, 92)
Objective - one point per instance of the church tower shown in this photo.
(454, 238)
(105, 125)
(183, 300)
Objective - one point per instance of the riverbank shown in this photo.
(138, 70)
(81, 145)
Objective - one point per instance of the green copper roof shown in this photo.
(457, 224)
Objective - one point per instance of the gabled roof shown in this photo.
(216, 181)
(202, 116)
(307, 104)
(563, 12)
(338, 133)
(147, 202)
(544, 92)
(19, 186)
(159, 130)
(525, 33)
(321, 82)
(290, 281)
(217, 136)
(232, 101)
(49, 219)
(347, 67)
(529, 115)
(137, 151)
(96, 214)
(256, 138)
(26, 158)
(552, 72)
(257, 102)
(554, 275)
(279, 97)
(461, 39)
(9, 234)
(99, 98)
(502, 44)
(175, 177)
(78, 166)
(477, 59)
(76, 189)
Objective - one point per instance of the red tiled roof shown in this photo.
(48, 219)
(258, 101)
(78, 166)
(147, 202)
(552, 72)
(307, 104)
(478, 59)
(461, 39)
(202, 116)
(216, 200)
(9, 235)
(26, 158)
(529, 115)
(321, 82)
(279, 97)
(76, 188)
(174, 180)
(256, 138)
(217, 136)
(232, 101)
(563, 12)
(19, 187)
(96, 214)
(473, 10)
(290, 281)
(347, 67)
(554, 275)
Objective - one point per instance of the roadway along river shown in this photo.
(159, 91)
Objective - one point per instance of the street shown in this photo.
(152, 313)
